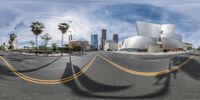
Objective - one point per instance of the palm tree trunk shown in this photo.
(46, 46)
(36, 45)
(62, 45)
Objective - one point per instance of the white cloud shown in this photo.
(85, 21)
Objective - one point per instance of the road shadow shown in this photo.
(178, 60)
(164, 79)
(86, 87)
(192, 68)
(162, 91)
(38, 68)
(4, 70)
(20, 58)
(195, 54)
(87, 83)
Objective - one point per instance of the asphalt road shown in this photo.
(98, 76)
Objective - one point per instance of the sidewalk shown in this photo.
(153, 55)
(49, 55)
(33, 54)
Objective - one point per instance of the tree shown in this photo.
(37, 29)
(3, 47)
(189, 48)
(63, 27)
(41, 47)
(46, 39)
(198, 48)
(32, 43)
(54, 46)
(76, 48)
(12, 39)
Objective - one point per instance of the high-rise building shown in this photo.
(103, 38)
(70, 37)
(115, 37)
(94, 41)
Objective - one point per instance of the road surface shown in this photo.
(98, 76)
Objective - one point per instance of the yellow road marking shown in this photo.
(41, 81)
(146, 73)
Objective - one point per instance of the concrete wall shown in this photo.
(154, 48)
(111, 46)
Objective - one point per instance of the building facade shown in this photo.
(188, 46)
(75, 43)
(115, 37)
(84, 45)
(154, 38)
(110, 45)
(94, 41)
(103, 38)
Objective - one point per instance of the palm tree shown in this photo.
(37, 28)
(12, 39)
(63, 27)
(46, 39)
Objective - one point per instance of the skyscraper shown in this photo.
(115, 37)
(94, 41)
(70, 37)
(103, 38)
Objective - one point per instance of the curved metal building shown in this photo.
(137, 42)
(168, 28)
(154, 37)
(148, 29)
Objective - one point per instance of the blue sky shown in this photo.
(90, 16)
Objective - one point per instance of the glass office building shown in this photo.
(94, 41)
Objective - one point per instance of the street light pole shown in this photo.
(70, 60)
(16, 40)
(70, 47)
(62, 45)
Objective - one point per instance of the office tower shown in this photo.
(70, 37)
(103, 38)
(94, 41)
(115, 38)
